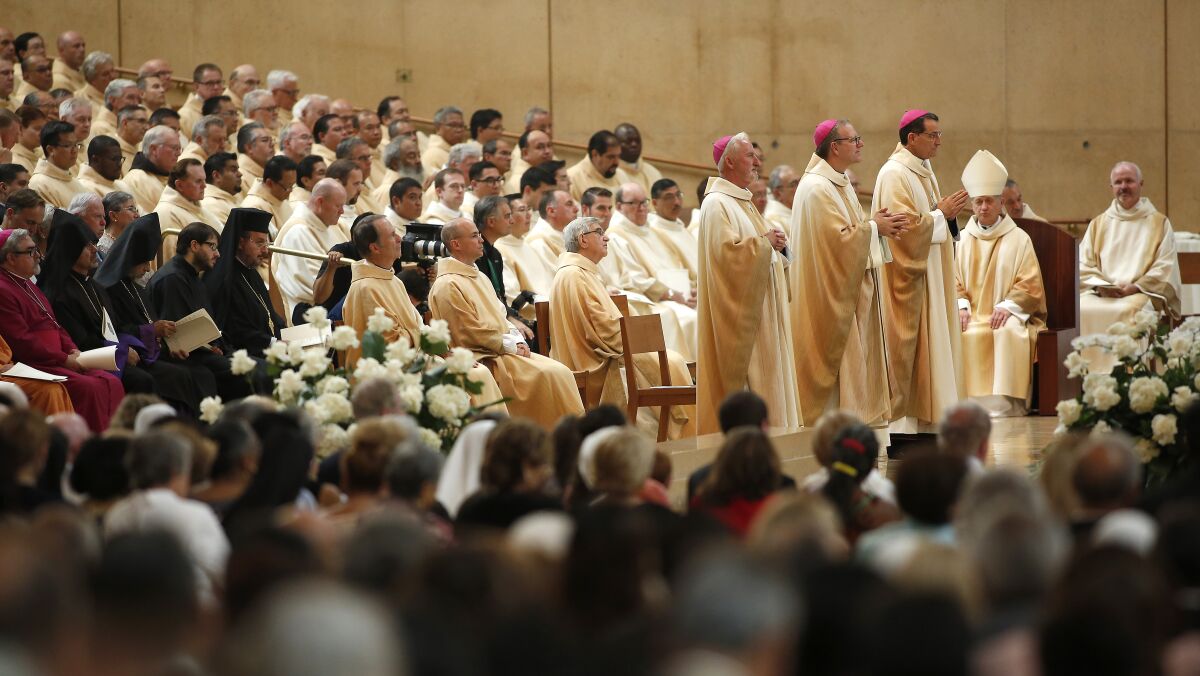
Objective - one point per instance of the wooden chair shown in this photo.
(1189, 269)
(1058, 256)
(541, 310)
(622, 303)
(640, 335)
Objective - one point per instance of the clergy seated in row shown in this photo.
(271, 193)
(295, 141)
(223, 183)
(484, 181)
(493, 218)
(1127, 258)
(1014, 203)
(103, 169)
(600, 167)
(122, 276)
(83, 308)
(207, 82)
(782, 183)
(742, 297)
(208, 137)
(177, 291)
(89, 209)
(535, 148)
(357, 151)
(524, 269)
(1001, 300)
(179, 203)
(328, 132)
(556, 209)
(368, 128)
(77, 113)
(24, 209)
(539, 388)
(44, 396)
(836, 317)
(635, 167)
(52, 178)
(375, 287)
(585, 331)
(308, 171)
(118, 94)
(450, 185)
(28, 148)
(147, 177)
(667, 202)
(349, 176)
(235, 287)
(449, 129)
(132, 124)
(315, 228)
(98, 72)
(254, 146)
(401, 159)
(598, 203)
(404, 204)
(642, 256)
(462, 157)
(36, 338)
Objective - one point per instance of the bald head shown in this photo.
(964, 430)
(631, 202)
(328, 200)
(72, 49)
(244, 79)
(454, 229)
(1107, 475)
(8, 50)
(342, 108)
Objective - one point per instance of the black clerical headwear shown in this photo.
(241, 221)
(69, 235)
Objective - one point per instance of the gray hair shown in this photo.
(992, 494)
(154, 458)
(92, 62)
(740, 137)
(81, 201)
(114, 89)
(964, 427)
(532, 113)
(276, 79)
(113, 201)
(439, 118)
(204, 123)
(575, 230)
(391, 153)
(72, 105)
(461, 152)
(14, 240)
(258, 98)
(347, 146)
(412, 465)
(1126, 163)
(776, 178)
(157, 136)
(727, 603)
(285, 134)
(127, 112)
(306, 101)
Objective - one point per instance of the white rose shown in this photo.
(1146, 450)
(1068, 411)
(369, 368)
(344, 338)
(379, 322)
(335, 408)
(296, 353)
(395, 371)
(1099, 390)
(318, 317)
(430, 438)
(1087, 341)
(1183, 398)
(210, 409)
(1125, 347)
(1120, 329)
(314, 364)
(438, 331)
(1179, 344)
(1191, 324)
(241, 363)
(448, 402)
(1145, 392)
(1101, 428)
(288, 386)
(333, 385)
(1145, 321)
(333, 439)
(460, 361)
(1104, 399)
(1164, 428)
(277, 353)
(1077, 364)
(401, 350)
(412, 397)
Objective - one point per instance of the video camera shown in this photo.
(422, 244)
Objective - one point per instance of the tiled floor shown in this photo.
(1016, 442)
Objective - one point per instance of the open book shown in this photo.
(193, 331)
(27, 372)
(306, 335)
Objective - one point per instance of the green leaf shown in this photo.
(374, 346)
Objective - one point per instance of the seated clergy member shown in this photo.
(147, 177)
(30, 328)
(449, 130)
(404, 198)
(179, 204)
(782, 183)
(636, 168)
(117, 95)
(224, 182)
(51, 177)
(235, 287)
(308, 171)
(295, 141)
(271, 193)
(641, 256)
(557, 209)
(585, 329)
(401, 159)
(485, 181)
(28, 148)
(315, 229)
(357, 151)
(535, 148)
(461, 158)
(255, 146)
(450, 185)
(176, 291)
(208, 138)
(1001, 302)
(103, 169)
(1014, 203)
(539, 387)
(1127, 259)
(82, 307)
(374, 286)
(524, 268)
(328, 132)
(132, 123)
(667, 199)
(350, 176)
(601, 167)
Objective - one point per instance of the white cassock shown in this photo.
(295, 275)
(675, 236)
(778, 214)
(439, 214)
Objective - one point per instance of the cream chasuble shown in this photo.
(26, 157)
(994, 268)
(524, 268)
(295, 275)
(190, 113)
(92, 180)
(145, 187)
(745, 340)
(676, 239)
(516, 170)
(365, 202)
(128, 152)
(176, 211)
(546, 242)
(470, 199)
(218, 202)
(373, 287)
(585, 334)
(25, 89)
(641, 172)
(252, 172)
(54, 185)
(434, 156)
(1027, 212)
(93, 96)
(260, 197)
(584, 175)
(640, 256)
(439, 214)
(779, 215)
(920, 323)
(66, 77)
(378, 172)
(399, 223)
(194, 151)
(324, 152)
(1127, 246)
(540, 388)
(299, 196)
(837, 323)
(104, 123)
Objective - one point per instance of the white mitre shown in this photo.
(984, 175)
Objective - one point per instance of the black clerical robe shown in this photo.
(244, 312)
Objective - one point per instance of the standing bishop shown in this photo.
(837, 321)
(744, 337)
(1001, 302)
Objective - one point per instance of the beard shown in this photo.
(415, 173)
(611, 172)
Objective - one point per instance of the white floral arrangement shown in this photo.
(1154, 380)
(431, 379)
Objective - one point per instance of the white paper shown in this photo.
(676, 278)
(306, 335)
(102, 358)
(193, 331)
(27, 372)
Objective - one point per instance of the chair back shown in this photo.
(1058, 257)
(1189, 267)
(541, 314)
(622, 303)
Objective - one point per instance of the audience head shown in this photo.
(539, 119)
(740, 409)
(165, 117)
(357, 151)
(493, 217)
(855, 450)
(310, 170)
(349, 175)
(376, 240)
(597, 202)
(207, 81)
(72, 49)
(121, 93)
(392, 109)
(485, 179)
(209, 133)
(369, 128)
(371, 445)
(296, 141)
(285, 87)
(328, 200)
(329, 130)
(1107, 474)
(405, 198)
(782, 183)
(198, 243)
(255, 142)
(746, 468)
(964, 431)
(132, 123)
(153, 90)
(585, 236)
(13, 177)
(161, 148)
(279, 176)
(90, 209)
(451, 186)
(536, 147)
(498, 151)
(98, 70)
(412, 473)
(487, 124)
(518, 458)
(221, 170)
(1014, 205)
(259, 106)
(928, 484)
(187, 178)
(310, 109)
(159, 460)
(463, 240)
(558, 208)
(59, 145)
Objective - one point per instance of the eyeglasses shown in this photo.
(290, 92)
(494, 180)
(211, 83)
(76, 146)
(670, 196)
(854, 140)
(211, 245)
(643, 203)
(597, 231)
(455, 125)
(132, 208)
(931, 134)
(32, 253)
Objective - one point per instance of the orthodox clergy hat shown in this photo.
(984, 175)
